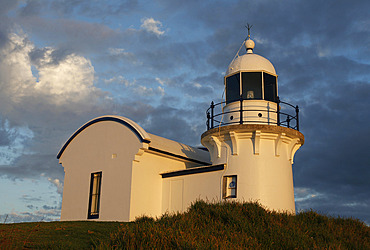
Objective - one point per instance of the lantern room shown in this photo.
(251, 94)
(250, 77)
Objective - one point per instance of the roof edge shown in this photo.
(139, 131)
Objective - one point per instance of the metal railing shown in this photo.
(286, 115)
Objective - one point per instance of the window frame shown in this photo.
(227, 95)
(266, 87)
(251, 86)
(94, 202)
(225, 183)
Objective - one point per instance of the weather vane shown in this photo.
(249, 30)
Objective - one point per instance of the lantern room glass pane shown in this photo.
(233, 88)
(269, 86)
(252, 85)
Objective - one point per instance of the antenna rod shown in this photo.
(248, 26)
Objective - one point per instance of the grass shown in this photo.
(203, 226)
(55, 235)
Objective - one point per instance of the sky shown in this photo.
(160, 63)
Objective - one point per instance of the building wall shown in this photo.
(147, 183)
(181, 191)
(104, 146)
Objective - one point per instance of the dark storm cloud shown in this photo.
(7, 5)
(32, 166)
(31, 8)
(92, 9)
(334, 205)
(67, 8)
(335, 129)
(171, 123)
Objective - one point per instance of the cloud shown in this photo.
(38, 215)
(118, 52)
(16, 78)
(38, 87)
(145, 91)
(71, 79)
(57, 183)
(152, 26)
(118, 80)
(26, 71)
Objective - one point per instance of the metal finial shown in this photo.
(248, 26)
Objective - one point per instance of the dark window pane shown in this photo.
(252, 85)
(233, 88)
(270, 87)
(94, 201)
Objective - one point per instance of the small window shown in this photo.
(233, 88)
(94, 199)
(229, 186)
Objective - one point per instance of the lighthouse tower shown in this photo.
(254, 134)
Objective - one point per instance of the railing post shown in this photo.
(297, 118)
(288, 121)
(241, 109)
(212, 113)
(278, 111)
(208, 117)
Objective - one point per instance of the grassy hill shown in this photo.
(223, 225)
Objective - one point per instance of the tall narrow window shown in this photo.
(229, 187)
(94, 200)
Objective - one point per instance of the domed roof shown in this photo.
(250, 62)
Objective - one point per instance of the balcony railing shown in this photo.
(286, 115)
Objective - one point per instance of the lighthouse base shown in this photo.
(259, 158)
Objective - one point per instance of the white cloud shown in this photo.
(160, 90)
(57, 183)
(160, 81)
(119, 80)
(38, 215)
(145, 91)
(197, 85)
(73, 77)
(152, 26)
(303, 194)
(118, 52)
(16, 76)
(69, 79)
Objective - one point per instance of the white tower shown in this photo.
(255, 134)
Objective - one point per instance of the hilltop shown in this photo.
(204, 225)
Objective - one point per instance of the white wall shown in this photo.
(202, 186)
(91, 151)
(261, 156)
(146, 191)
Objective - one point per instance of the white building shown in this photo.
(116, 171)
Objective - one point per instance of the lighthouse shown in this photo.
(254, 134)
(117, 171)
